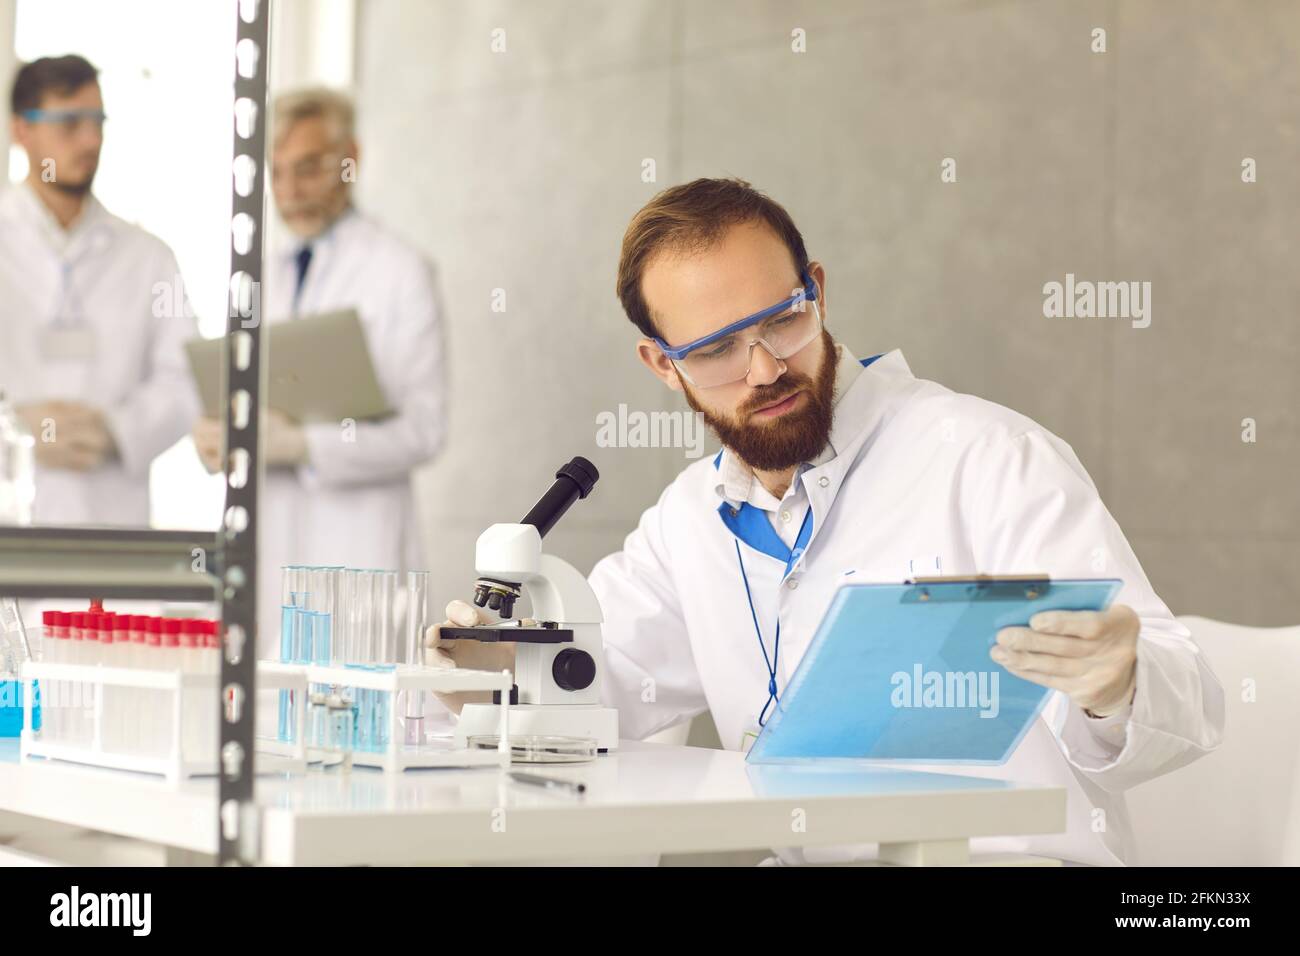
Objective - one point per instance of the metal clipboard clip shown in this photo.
(977, 586)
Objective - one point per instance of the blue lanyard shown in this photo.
(68, 312)
(800, 544)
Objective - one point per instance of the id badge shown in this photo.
(67, 344)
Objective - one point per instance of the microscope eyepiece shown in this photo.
(581, 471)
(573, 481)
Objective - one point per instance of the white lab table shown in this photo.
(646, 799)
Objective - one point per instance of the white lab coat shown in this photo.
(920, 477)
(353, 505)
(126, 291)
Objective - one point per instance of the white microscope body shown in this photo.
(559, 663)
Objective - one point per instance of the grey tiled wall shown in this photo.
(519, 171)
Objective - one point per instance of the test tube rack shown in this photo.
(178, 759)
(171, 760)
(398, 756)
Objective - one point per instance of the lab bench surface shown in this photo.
(644, 800)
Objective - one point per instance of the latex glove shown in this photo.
(69, 435)
(471, 655)
(285, 442)
(1089, 655)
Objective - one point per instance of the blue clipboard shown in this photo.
(901, 672)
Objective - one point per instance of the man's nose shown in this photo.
(764, 367)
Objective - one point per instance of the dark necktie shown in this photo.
(304, 262)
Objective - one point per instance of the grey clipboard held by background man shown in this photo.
(319, 370)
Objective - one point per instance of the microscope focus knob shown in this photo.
(573, 669)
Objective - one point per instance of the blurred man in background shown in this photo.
(91, 325)
(340, 493)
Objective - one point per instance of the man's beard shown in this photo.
(791, 438)
(307, 222)
(74, 189)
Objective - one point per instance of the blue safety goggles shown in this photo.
(807, 294)
(65, 118)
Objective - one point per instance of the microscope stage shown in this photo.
(522, 635)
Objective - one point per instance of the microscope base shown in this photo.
(552, 720)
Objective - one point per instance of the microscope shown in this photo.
(559, 658)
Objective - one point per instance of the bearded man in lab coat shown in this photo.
(831, 467)
(340, 494)
(90, 329)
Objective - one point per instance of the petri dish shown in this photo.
(539, 748)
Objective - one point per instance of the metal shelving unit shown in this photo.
(68, 562)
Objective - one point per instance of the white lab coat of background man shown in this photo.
(92, 317)
(340, 493)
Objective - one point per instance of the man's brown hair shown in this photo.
(63, 75)
(690, 217)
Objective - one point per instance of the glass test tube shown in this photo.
(362, 713)
(385, 629)
(324, 588)
(324, 583)
(384, 611)
(345, 628)
(348, 637)
(320, 650)
(284, 729)
(341, 724)
(293, 586)
(304, 634)
(417, 617)
(317, 721)
(383, 714)
(368, 639)
(293, 580)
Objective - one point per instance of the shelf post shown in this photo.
(237, 816)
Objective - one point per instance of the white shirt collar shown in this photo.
(736, 481)
(326, 239)
(26, 205)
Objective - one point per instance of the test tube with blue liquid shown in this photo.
(386, 612)
(324, 603)
(363, 714)
(383, 713)
(293, 595)
(367, 640)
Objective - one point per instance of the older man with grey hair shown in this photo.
(340, 493)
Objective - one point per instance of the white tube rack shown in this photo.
(175, 764)
(398, 756)
(272, 675)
